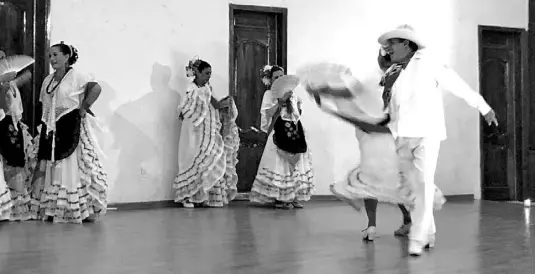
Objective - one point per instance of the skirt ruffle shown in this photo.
(87, 200)
(276, 180)
(204, 174)
(231, 150)
(356, 187)
(18, 180)
(211, 178)
(290, 187)
(225, 188)
(5, 202)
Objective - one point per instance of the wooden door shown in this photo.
(529, 116)
(257, 39)
(18, 21)
(501, 86)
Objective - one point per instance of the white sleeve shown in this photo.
(82, 79)
(450, 81)
(267, 103)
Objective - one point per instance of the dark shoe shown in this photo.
(278, 204)
(403, 230)
(296, 204)
(287, 206)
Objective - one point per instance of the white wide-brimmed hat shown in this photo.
(402, 32)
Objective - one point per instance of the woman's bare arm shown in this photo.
(93, 91)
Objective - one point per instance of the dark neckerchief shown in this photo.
(390, 77)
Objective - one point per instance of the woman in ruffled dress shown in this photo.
(285, 174)
(377, 178)
(69, 183)
(208, 145)
(15, 150)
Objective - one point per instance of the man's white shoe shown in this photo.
(415, 248)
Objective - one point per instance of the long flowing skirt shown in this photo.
(378, 176)
(72, 189)
(207, 172)
(277, 179)
(18, 181)
(5, 197)
(16, 165)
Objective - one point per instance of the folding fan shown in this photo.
(11, 65)
(342, 93)
(283, 85)
(323, 74)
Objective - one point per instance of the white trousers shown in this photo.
(417, 160)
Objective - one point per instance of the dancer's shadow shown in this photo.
(145, 135)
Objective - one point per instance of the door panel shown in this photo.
(255, 44)
(16, 38)
(499, 82)
(530, 115)
(253, 55)
(24, 30)
(496, 149)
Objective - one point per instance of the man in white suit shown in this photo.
(412, 93)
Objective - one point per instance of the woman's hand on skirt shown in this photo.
(82, 112)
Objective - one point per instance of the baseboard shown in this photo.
(142, 205)
(460, 197)
(245, 197)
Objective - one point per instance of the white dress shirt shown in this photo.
(416, 107)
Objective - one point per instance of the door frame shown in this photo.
(529, 175)
(276, 10)
(41, 46)
(282, 12)
(521, 107)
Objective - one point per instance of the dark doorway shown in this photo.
(504, 150)
(258, 36)
(23, 30)
(529, 130)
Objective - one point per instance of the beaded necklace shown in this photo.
(50, 91)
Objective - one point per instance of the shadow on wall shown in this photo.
(146, 133)
(103, 111)
(219, 78)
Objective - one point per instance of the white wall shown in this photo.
(138, 49)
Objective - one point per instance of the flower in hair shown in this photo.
(265, 81)
(192, 66)
(265, 74)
